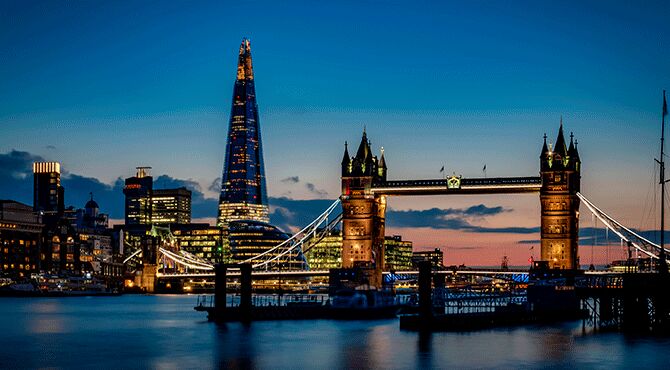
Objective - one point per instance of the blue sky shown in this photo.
(107, 86)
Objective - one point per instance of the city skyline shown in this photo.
(475, 104)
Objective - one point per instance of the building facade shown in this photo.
(20, 239)
(327, 253)
(243, 191)
(203, 241)
(397, 254)
(560, 169)
(171, 206)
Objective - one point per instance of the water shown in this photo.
(135, 331)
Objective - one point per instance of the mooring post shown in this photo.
(220, 288)
(245, 288)
(425, 290)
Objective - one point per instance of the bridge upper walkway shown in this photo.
(457, 185)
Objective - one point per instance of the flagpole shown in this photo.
(663, 267)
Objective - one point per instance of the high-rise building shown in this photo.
(243, 192)
(48, 193)
(171, 206)
(138, 191)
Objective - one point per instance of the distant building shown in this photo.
(20, 239)
(397, 254)
(327, 253)
(48, 194)
(203, 240)
(138, 191)
(436, 257)
(249, 238)
(90, 217)
(171, 206)
(243, 191)
(61, 250)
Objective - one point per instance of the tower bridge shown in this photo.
(365, 188)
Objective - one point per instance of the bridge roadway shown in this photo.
(457, 185)
(315, 273)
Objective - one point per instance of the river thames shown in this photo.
(164, 332)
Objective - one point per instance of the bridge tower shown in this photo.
(363, 212)
(560, 169)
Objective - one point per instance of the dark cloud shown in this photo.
(110, 198)
(52, 147)
(291, 180)
(215, 186)
(17, 184)
(451, 218)
(314, 190)
(16, 175)
(290, 214)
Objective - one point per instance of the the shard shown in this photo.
(243, 190)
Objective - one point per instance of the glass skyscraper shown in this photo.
(243, 192)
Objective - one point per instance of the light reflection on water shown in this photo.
(165, 332)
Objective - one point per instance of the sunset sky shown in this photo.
(104, 87)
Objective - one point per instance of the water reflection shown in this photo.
(165, 332)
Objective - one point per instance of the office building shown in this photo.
(203, 241)
(397, 254)
(327, 253)
(171, 206)
(138, 191)
(436, 258)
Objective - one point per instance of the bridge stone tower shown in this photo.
(363, 212)
(560, 169)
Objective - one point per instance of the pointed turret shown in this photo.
(560, 147)
(363, 148)
(245, 70)
(381, 166)
(346, 161)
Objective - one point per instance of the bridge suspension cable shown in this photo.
(300, 242)
(296, 242)
(640, 243)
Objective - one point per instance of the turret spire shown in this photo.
(560, 147)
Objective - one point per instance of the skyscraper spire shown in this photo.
(245, 70)
(243, 192)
